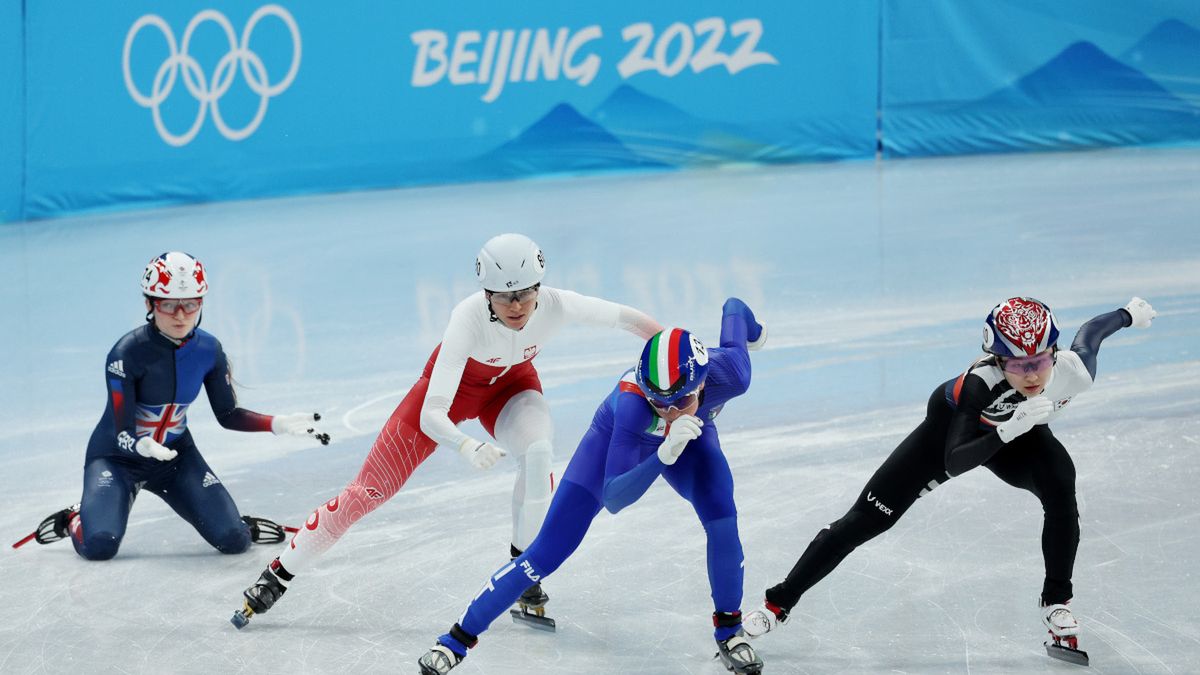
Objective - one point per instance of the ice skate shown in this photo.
(762, 620)
(57, 525)
(439, 660)
(1064, 634)
(738, 656)
(263, 531)
(531, 609)
(263, 595)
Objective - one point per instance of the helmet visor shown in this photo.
(508, 297)
(172, 305)
(680, 404)
(1030, 364)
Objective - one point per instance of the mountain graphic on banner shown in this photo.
(1170, 54)
(657, 129)
(1083, 76)
(563, 140)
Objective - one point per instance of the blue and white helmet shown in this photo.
(674, 364)
(1019, 327)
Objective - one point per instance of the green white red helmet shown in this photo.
(674, 364)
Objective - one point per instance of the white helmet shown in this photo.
(174, 275)
(509, 262)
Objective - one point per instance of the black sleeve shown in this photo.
(966, 446)
(1091, 334)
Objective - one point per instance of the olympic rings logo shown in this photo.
(208, 91)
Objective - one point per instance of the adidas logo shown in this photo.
(210, 479)
(117, 367)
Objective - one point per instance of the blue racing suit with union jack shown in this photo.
(151, 381)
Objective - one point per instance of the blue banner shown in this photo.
(193, 101)
(189, 101)
(1005, 75)
(12, 152)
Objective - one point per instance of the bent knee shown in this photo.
(233, 541)
(100, 546)
(860, 525)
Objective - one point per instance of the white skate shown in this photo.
(762, 620)
(1064, 634)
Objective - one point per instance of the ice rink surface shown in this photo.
(874, 280)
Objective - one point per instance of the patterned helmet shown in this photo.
(509, 262)
(1019, 327)
(674, 364)
(174, 275)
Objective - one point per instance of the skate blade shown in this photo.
(750, 669)
(1076, 656)
(241, 617)
(533, 620)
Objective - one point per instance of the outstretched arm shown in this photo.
(600, 312)
(1091, 334)
(218, 384)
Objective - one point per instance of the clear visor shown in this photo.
(508, 297)
(172, 305)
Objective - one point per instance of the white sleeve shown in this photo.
(598, 312)
(1070, 365)
(444, 381)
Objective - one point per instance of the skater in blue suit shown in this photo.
(142, 441)
(660, 420)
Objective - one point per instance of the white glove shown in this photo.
(481, 455)
(148, 447)
(1141, 311)
(685, 428)
(1027, 414)
(298, 424)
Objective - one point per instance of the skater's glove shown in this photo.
(684, 429)
(148, 447)
(1141, 312)
(1028, 413)
(481, 455)
(299, 424)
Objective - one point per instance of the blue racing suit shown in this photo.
(151, 382)
(613, 466)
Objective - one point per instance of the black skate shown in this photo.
(56, 526)
(263, 531)
(438, 661)
(532, 609)
(738, 656)
(263, 595)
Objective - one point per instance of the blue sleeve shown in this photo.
(121, 381)
(218, 383)
(1091, 334)
(627, 473)
(733, 341)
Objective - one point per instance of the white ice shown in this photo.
(874, 280)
